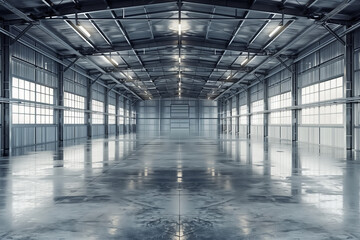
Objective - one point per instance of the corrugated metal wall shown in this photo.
(77, 84)
(321, 66)
(98, 93)
(112, 101)
(325, 64)
(278, 84)
(154, 117)
(357, 90)
(256, 94)
(31, 66)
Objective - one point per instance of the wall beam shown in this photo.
(5, 93)
(106, 111)
(266, 107)
(117, 129)
(89, 108)
(348, 90)
(294, 103)
(60, 95)
(248, 100)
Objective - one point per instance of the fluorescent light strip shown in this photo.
(179, 59)
(228, 77)
(84, 31)
(106, 59)
(275, 31)
(244, 62)
(79, 33)
(179, 29)
(114, 61)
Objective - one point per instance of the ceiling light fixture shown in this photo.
(279, 27)
(83, 30)
(110, 60)
(114, 61)
(244, 62)
(275, 31)
(179, 28)
(79, 32)
(179, 59)
(228, 77)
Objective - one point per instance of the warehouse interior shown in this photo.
(179, 119)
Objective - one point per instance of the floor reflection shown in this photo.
(180, 188)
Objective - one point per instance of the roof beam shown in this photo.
(60, 40)
(173, 42)
(70, 8)
(184, 63)
(306, 30)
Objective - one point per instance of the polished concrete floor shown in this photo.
(172, 188)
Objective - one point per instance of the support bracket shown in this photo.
(71, 64)
(97, 78)
(284, 64)
(21, 33)
(334, 34)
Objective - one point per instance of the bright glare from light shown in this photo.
(179, 59)
(84, 31)
(179, 28)
(244, 62)
(114, 61)
(275, 31)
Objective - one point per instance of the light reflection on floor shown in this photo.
(180, 188)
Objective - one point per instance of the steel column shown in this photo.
(237, 113)
(117, 129)
(294, 102)
(130, 117)
(348, 90)
(266, 107)
(89, 108)
(5, 93)
(106, 111)
(248, 99)
(60, 95)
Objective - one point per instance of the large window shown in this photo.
(278, 102)
(97, 115)
(233, 112)
(76, 114)
(331, 89)
(280, 118)
(112, 113)
(258, 106)
(121, 117)
(243, 120)
(323, 115)
(30, 112)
